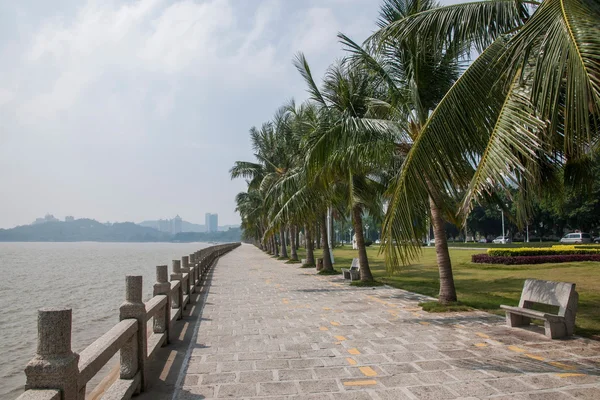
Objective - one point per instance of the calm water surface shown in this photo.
(87, 277)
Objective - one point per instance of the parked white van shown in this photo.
(576, 237)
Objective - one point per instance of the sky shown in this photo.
(137, 109)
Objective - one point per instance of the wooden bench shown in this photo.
(558, 294)
(353, 273)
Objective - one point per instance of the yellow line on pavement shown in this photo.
(286, 301)
(368, 371)
(168, 365)
(351, 361)
(568, 375)
(335, 323)
(340, 338)
(563, 366)
(424, 323)
(360, 383)
(481, 344)
(539, 358)
(183, 331)
(483, 335)
(516, 349)
(323, 328)
(354, 351)
(326, 308)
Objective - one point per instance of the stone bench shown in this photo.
(557, 294)
(353, 272)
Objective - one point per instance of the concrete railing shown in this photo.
(58, 373)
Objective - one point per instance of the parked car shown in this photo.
(502, 240)
(485, 240)
(597, 239)
(576, 238)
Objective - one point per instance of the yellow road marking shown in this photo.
(561, 365)
(326, 308)
(539, 358)
(424, 323)
(286, 301)
(183, 331)
(360, 383)
(323, 328)
(368, 371)
(337, 342)
(168, 365)
(340, 338)
(335, 323)
(516, 349)
(481, 344)
(483, 335)
(351, 361)
(354, 351)
(416, 314)
(568, 375)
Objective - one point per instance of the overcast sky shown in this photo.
(134, 110)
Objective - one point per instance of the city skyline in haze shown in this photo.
(128, 111)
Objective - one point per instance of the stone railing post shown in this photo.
(195, 267)
(185, 268)
(133, 355)
(177, 276)
(162, 321)
(55, 365)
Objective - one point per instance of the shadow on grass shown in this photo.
(332, 272)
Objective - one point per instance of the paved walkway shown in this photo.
(273, 330)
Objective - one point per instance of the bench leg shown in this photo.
(514, 320)
(346, 273)
(555, 330)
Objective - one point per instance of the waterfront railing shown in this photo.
(58, 373)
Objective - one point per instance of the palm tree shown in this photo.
(345, 153)
(529, 104)
(415, 75)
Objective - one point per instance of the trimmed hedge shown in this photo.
(542, 251)
(542, 259)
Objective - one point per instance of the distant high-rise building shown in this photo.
(47, 218)
(212, 222)
(164, 225)
(176, 225)
(69, 218)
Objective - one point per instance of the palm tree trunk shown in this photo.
(365, 271)
(447, 289)
(310, 254)
(318, 235)
(297, 236)
(293, 244)
(327, 266)
(284, 253)
(275, 246)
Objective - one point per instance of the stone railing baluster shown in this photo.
(55, 365)
(134, 359)
(162, 321)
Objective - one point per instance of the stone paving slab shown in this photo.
(271, 330)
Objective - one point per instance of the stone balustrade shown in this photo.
(58, 373)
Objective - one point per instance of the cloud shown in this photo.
(127, 102)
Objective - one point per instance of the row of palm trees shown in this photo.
(441, 108)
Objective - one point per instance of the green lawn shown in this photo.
(486, 286)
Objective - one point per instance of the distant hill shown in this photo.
(186, 226)
(83, 230)
(230, 235)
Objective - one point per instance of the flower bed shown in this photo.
(542, 251)
(535, 259)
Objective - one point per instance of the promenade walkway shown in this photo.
(275, 331)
